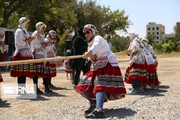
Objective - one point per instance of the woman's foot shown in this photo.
(39, 92)
(96, 114)
(90, 109)
(132, 92)
(48, 91)
(52, 86)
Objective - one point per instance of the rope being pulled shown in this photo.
(31, 61)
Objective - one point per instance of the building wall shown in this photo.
(178, 30)
(155, 29)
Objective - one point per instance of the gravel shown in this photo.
(65, 104)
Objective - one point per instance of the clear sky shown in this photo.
(141, 12)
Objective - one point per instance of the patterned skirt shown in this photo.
(42, 69)
(136, 72)
(27, 70)
(152, 75)
(103, 78)
(50, 69)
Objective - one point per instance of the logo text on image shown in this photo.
(26, 91)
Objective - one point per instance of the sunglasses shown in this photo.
(87, 32)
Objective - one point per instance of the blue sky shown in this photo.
(141, 12)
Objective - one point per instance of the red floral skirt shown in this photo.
(152, 75)
(103, 78)
(136, 72)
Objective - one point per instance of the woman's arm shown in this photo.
(90, 54)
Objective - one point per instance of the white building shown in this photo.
(155, 29)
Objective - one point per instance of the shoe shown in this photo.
(90, 109)
(129, 88)
(52, 86)
(95, 114)
(48, 91)
(132, 92)
(39, 92)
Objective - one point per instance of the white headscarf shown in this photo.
(22, 23)
(132, 36)
(92, 28)
(39, 26)
(145, 41)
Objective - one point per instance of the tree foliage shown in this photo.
(167, 45)
(64, 16)
(119, 43)
(151, 38)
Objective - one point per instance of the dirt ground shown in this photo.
(65, 104)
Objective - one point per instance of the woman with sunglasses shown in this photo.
(104, 82)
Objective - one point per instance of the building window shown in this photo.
(157, 28)
(153, 33)
(157, 33)
(153, 28)
(157, 37)
(149, 28)
(149, 33)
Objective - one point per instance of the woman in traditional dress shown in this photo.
(22, 52)
(151, 62)
(136, 73)
(104, 82)
(50, 47)
(38, 46)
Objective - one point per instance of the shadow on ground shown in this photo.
(54, 94)
(156, 92)
(4, 104)
(118, 113)
(60, 88)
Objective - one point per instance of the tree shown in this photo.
(64, 16)
(105, 20)
(119, 43)
(151, 38)
(167, 45)
(9, 8)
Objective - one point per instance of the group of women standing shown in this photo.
(141, 72)
(34, 47)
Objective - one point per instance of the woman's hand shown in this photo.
(128, 52)
(93, 58)
(31, 38)
(90, 55)
(85, 55)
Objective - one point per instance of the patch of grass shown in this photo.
(121, 55)
(162, 55)
(173, 54)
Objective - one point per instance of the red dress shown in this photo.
(104, 77)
